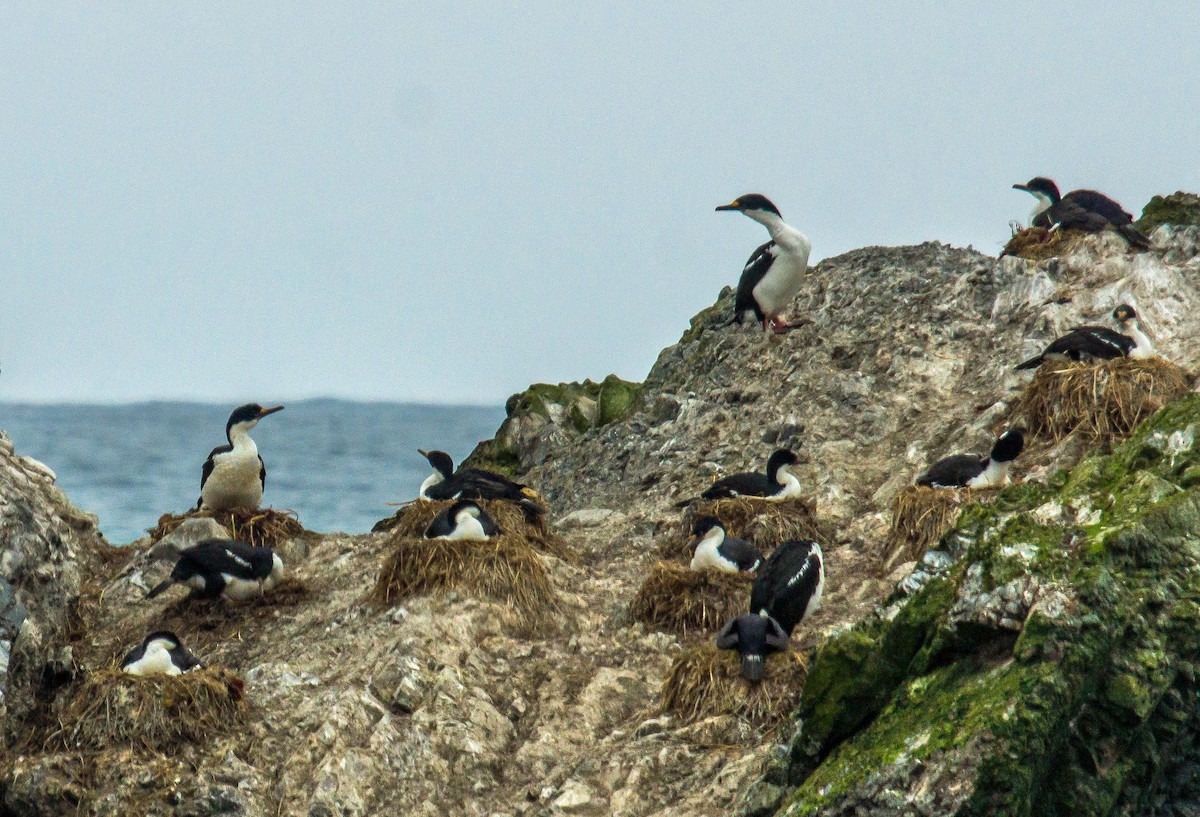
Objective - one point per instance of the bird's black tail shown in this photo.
(1032, 363)
(160, 587)
(533, 511)
(1134, 236)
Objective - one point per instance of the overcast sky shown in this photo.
(445, 202)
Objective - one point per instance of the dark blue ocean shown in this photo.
(336, 463)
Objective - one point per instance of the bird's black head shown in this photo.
(467, 505)
(1124, 312)
(704, 524)
(248, 415)
(778, 459)
(1040, 184)
(754, 637)
(168, 638)
(751, 201)
(1008, 446)
(440, 461)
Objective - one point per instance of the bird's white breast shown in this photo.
(707, 554)
(155, 661)
(996, 473)
(234, 481)
(467, 527)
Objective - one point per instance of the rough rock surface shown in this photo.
(449, 704)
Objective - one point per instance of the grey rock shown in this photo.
(190, 532)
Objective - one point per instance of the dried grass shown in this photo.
(704, 682)
(1038, 243)
(764, 522)
(191, 610)
(678, 599)
(110, 709)
(414, 518)
(920, 516)
(261, 527)
(505, 569)
(1101, 401)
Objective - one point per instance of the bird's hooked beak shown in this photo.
(423, 453)
(264, 412)
(1021, 187)
(733, 205)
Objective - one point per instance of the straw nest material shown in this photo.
(110, 709)
(920, 516)
(704, 682)
(1038, 243)
(1101, 401)
(261, 527)
(679, 599)
(505, 569)
(764, 522)
(414, 518)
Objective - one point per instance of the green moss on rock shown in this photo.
(1088, 708)
(1180, 209)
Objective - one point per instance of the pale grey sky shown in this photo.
(265, 201)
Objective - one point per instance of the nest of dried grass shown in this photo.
(414, 518)
(1100, 401)
(505, 569)
(920, 516)
(110, 709)
(764, 522)
(1038, 243)
(191, 611)
(678, 599)
(261, 527)
(704, 682)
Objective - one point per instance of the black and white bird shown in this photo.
(777, 482)
(475, 483)
(234, 475)
(974, 471)
(463, 520)
(1090, 343)
(1084, 210)
(161, 653)
(719, 551)
(787, 590)
(1131, 325)
(223, 568)
(772, 276)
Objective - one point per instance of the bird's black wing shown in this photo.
(1099, 204)
(742, 553)
(745, 484)
(787, 581)
(262, 472)
(441, 525)
(754, 271)
(475, 483)
(1091, 341)
(207, 470)
(224, 556)
(952, 472)
(183, 658)
(490, 528)
(1071, 216)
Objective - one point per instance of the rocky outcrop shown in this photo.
(1048, 666)
(49, 549)
(451, 704)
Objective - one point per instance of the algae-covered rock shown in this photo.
(546, 416)
(1179, 209)
(1051, 670)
